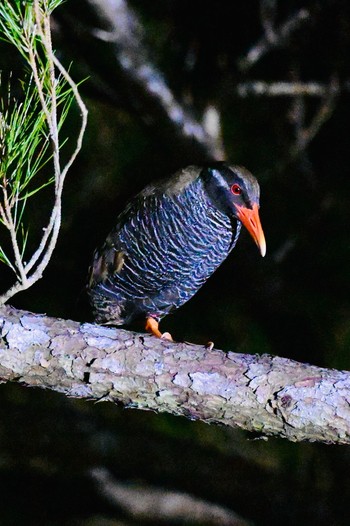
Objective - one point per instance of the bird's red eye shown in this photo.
(236, 189)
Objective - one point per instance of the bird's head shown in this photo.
(235, 191)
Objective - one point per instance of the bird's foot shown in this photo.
(209, 346)
(167, 336)
(152, 327)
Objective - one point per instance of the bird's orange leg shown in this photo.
(152, 327)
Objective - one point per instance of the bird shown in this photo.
(168, 241)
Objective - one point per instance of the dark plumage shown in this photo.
(168, 241)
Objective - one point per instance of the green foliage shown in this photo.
(25, 149)
(26, 144)
(17, 20)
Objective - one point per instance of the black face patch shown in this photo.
(228, 186)
(248, 184)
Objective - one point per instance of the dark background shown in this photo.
(292, 303)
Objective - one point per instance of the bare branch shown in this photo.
(268, 12)
(151, 503)
(43, 28)
(18, 263)
(135, 76)
(53, 227)
(6, 215)
(282, 89)
(125, 32)
(265, 394)
(298, 90)
(304, 133)
(273, 38)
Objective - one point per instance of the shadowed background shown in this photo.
(292, 303)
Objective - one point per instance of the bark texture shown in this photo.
(264, 394)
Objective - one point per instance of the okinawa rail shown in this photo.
(168, 241)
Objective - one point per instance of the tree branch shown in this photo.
(265, 394)
(133, 75)
(272, 38)
(260, 88)
(146, 503)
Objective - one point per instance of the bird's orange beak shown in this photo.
(251, 220)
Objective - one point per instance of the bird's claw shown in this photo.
(152, 326)
(167, 336)
(209, 346)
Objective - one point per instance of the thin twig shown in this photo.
(2, 212)
(268, 12)
(32, 271)
(305, 134)
(53, 226)
(266, 43)
(83, 113)
(55, 220)
(260, 88)
(17, 253)
(123, 30)
(6, 213)
(52, 124)
(150, 503)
